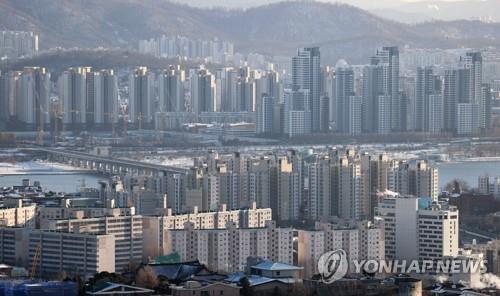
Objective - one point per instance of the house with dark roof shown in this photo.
(108, 288)
(196, 288)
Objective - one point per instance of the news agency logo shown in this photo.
(333, 266)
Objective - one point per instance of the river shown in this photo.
(55, 177)
(467, 170)
(58, 177)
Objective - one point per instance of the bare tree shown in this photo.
(457, 186)
(298, 289)
(146, 278)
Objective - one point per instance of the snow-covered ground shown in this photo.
(180, 162)
(38, 166)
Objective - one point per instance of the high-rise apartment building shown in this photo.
(306, 75)
(180, 46)
(467, 118)
(485, 107)
(127, 231)
(154, 227)
(7, 94)
(427, 85)
(344, 90)
(308, 185)
(265, 115)
(102, 106)
(372, 89)
(435, 118)
(73, 95)
(388, 58)
(360, 241)
(227, 250)
(349, 188)
(319, 187)
(33, 96)
(354, 111)
(289, 189)
(245, 99)
(415, 178)
(297, 117)
(15, 44)
(89, 98)
(383, 114)
(203, 91)
(171, 95)
(226, 88)
(467, 108)
(141, 97)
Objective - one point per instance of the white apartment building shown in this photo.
(20, 216)
(467, 118)
(490, 252)
(211, 192)
(227, 250)
(414, 178)
(45, 214)
(154, 227)
(72, 85)
(310, 248)
(73, 253)
(15, 44)
(383, 114)
(351, 195)
(355, 115)
(414, 231)
(126, 229)
(437, 233)
(319, 185)
(436, 120)
(489, 185)
(360, 241)
(297, 123)
(32, 96)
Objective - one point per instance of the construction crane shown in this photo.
(36, 258)
(56, 115)
(40, 110)
(139, 118)
(59, 114)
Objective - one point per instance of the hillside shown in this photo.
(416, 11)
(275, 29)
